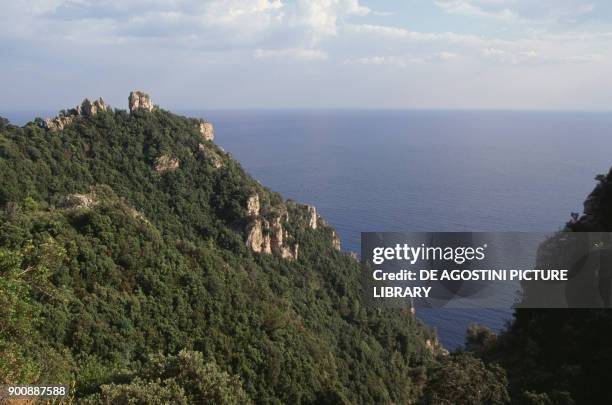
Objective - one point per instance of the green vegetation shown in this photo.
(464, 379)
(143, 290)
(135, 285)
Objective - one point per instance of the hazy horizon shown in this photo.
(319, 54)
(21, 117)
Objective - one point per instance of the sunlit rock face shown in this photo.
(253, 205)
(166, 163)
(207, 130)
(139, 101)
(312, 217)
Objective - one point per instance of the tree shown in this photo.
(181, 379)
(463, 379)
(22, 274)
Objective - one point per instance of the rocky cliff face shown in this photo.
(265, 235)
(253, 206)
(211, 155)
(207, 130)
(256, 240)
(139, 101)
(267, 230)
(312, 216)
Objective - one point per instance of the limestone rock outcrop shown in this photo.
(165, 163)
(265, 236)
(139, 101)
(253, 205)
(211, 155)
(58, 123)
(89, 108)
(312, 217)
(86, 109)
(80, 201)
(256, 240)
(290, 254)
(207, 130)
(335, 240)
(277, 235)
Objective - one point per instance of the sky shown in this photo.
(218, 54)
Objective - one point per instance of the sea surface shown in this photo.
(422, 171)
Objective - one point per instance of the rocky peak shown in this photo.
(312, 217)
(86, 109)
(207, 130)
(89, 109)
(139, 101)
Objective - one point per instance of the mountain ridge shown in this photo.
(156, 260)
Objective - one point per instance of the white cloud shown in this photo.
(539, 47)
(291, 53)
(475, 8)
(233, 11)
(523, 11)
(403, 61)
(378, 60)
(448, 56)
(592, 58)
(235, 49)
(384, 13)
(321, 16)
(531, 56)
(511, 57)
(209, 24)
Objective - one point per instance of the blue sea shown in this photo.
(423, 171)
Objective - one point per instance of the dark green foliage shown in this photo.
(156, 262)
(560, 356)
(464, 379)
(479, 339)
(180, 379)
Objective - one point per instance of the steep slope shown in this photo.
(126, 236)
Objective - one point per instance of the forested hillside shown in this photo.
(129, 268)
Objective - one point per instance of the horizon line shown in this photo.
(273, 109)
